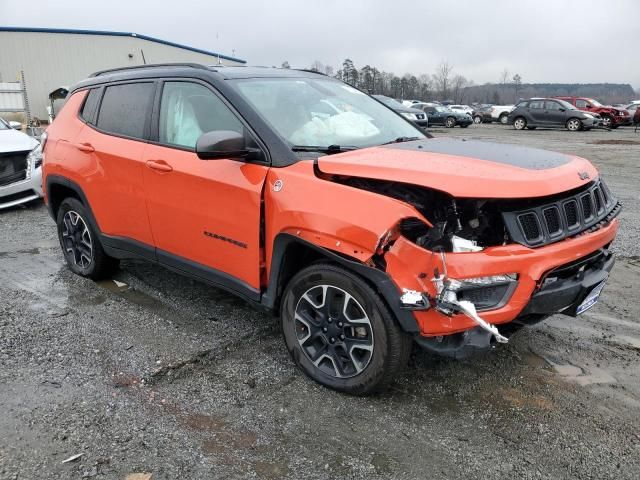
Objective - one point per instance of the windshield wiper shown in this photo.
(401, 140)
(315, 148)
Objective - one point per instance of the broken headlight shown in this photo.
(486, 293)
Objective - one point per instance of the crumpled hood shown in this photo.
(15, 141)
(466, 168)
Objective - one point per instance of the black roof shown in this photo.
(218, 72)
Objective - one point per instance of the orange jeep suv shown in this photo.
(311, 199)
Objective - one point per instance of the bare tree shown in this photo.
(458, 83)
(285, 64)
(442, 79)
(504, 82)
(517, 84)
(317, 66)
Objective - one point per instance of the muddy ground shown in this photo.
(160, 374)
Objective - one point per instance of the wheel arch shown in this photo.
(58, 188)
(291, 254)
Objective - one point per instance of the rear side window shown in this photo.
(537, 105)
(125, 109)
(89, 108)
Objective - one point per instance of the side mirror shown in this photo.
(562, 109)
(15, 125)
(221, 144)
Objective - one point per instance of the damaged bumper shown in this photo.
(545, 282)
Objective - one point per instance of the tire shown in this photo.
(503, 118)
(607, 121)
(80, 242)
(519, 123)
(477, 119)
(450, 122)
(355, 357)
(573, 124)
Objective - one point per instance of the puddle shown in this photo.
(583, 376)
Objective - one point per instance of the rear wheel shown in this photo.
(339, 331)
(574, 124)
(80, 243)
(450, 122)
(504, 118)
(519, 123)
(477, 119)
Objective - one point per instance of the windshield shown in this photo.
(310, 112)
(595, 103)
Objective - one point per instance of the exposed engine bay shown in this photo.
(478, 221)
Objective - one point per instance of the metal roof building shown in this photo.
(52, 57)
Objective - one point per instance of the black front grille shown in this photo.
(571, 214)
(13, 167)
(530, 226)
(587, 206)
(561, 216)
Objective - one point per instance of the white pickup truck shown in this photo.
(501, 112)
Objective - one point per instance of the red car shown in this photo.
(611, 117)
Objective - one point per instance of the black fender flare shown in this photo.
(380, 280)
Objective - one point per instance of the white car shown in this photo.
(501, 112)
(462, 109)
(20, 166)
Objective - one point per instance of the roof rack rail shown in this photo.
(151, 65)
(310, 70)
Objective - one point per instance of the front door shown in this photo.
(554, 113)
(204, 214)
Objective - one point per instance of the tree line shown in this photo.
(447, 84)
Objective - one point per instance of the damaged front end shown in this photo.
(460, 267)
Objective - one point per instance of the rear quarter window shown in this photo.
(125, 109)
(90, 104)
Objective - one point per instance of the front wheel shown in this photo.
(573, 125)
(477, 119)
(450, 122)
(504, 118)
(607, 121)
(339, 331)
(519, 123)
(80, 243)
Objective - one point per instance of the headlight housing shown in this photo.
(410, 116)
(486, 293)
(35, 156)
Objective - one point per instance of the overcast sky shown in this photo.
(576, 41)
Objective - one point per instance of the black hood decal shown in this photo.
(515, 155)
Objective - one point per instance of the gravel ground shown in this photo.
(163, 375)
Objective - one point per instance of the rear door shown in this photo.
(205, 214)
(112, 142)
(537, 112)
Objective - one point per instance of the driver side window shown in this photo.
(187, 110)
(582, 104)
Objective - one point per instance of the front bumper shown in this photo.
(622, 120)
(22, 191)
(412, 267)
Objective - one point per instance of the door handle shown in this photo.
(159, 165)
(84, 147)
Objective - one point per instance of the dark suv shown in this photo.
(551, 112)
